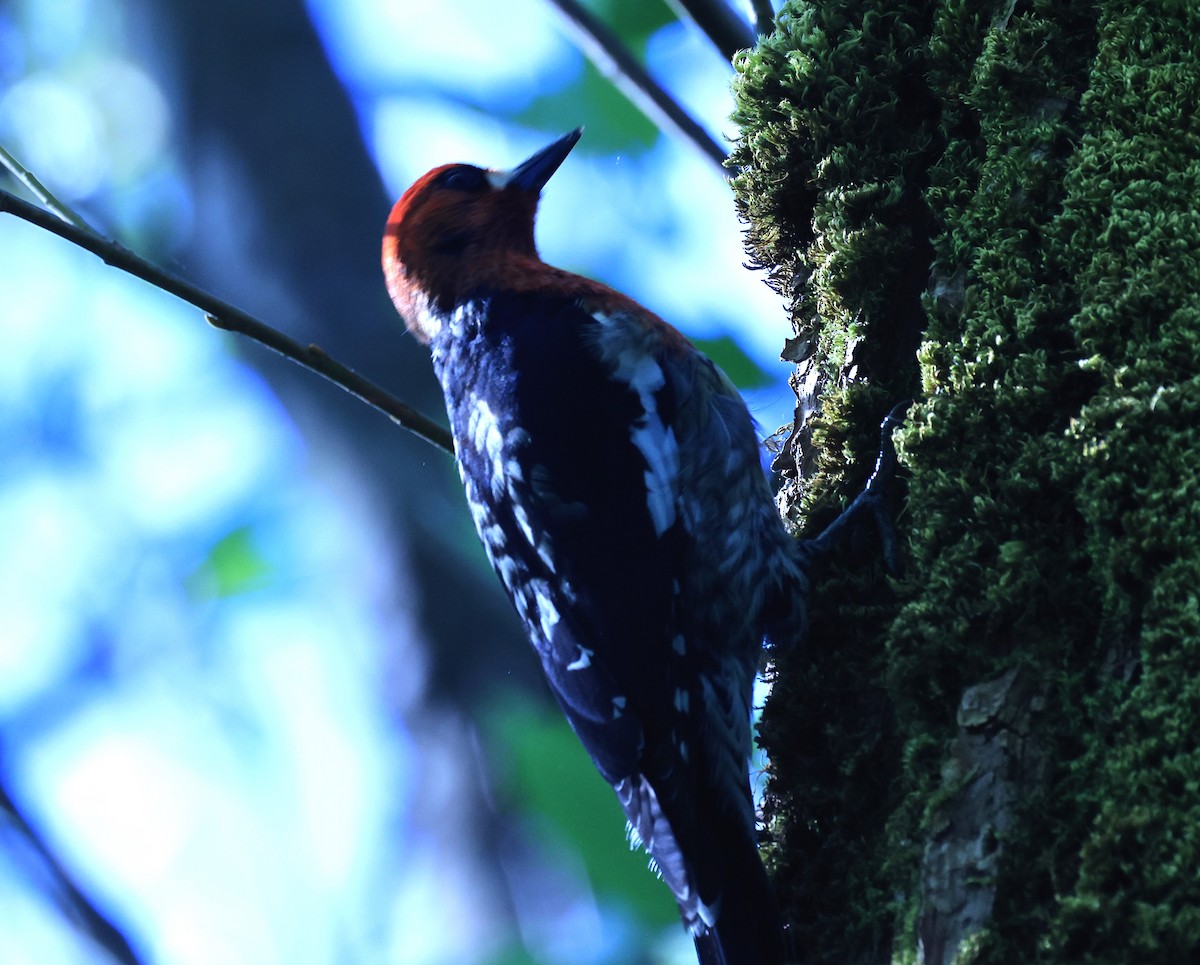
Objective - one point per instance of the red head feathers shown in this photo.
(460, 228)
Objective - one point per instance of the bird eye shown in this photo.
(464, 179)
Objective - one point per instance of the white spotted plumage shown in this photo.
(584, 661)
(614, 480)
(622, 344)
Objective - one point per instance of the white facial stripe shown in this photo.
(425, 320)
(499, 179)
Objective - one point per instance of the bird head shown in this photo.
(459, 229)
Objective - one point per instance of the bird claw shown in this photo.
(870, 502)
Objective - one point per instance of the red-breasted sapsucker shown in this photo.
(613, 474)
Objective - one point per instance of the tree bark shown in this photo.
(992, 208)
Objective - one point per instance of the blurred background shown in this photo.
(261, 698)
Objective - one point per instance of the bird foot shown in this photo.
(870, 503)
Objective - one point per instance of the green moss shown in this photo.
(836, 126)
(995, 206)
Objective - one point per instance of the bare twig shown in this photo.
(73, 902)
(39, 191)
(764, 16)
(230, 318)
(603, 48)
(719, 22)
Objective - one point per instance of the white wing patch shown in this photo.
(655, 440)
(661, 450)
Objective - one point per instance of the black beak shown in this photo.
(532, 175)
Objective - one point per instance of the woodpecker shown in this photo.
(613, 475)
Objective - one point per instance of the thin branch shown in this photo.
(73, 902)
(719, 22)
(232, 319)
(602, 47)
(39, 191)
(764, 16)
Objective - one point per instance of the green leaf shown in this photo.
(729, 355)
(613, 124)
(543, 764)
(632, 22)
(234, 565)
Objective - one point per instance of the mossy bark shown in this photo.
(992, 208)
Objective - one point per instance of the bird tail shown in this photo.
(748, 929)
(722, 890)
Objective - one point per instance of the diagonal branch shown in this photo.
(73, 902)
(39, 191)
(719, 22)
(764, 16)
(230, 318)
(605, 50)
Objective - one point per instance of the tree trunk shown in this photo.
(991, 208)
